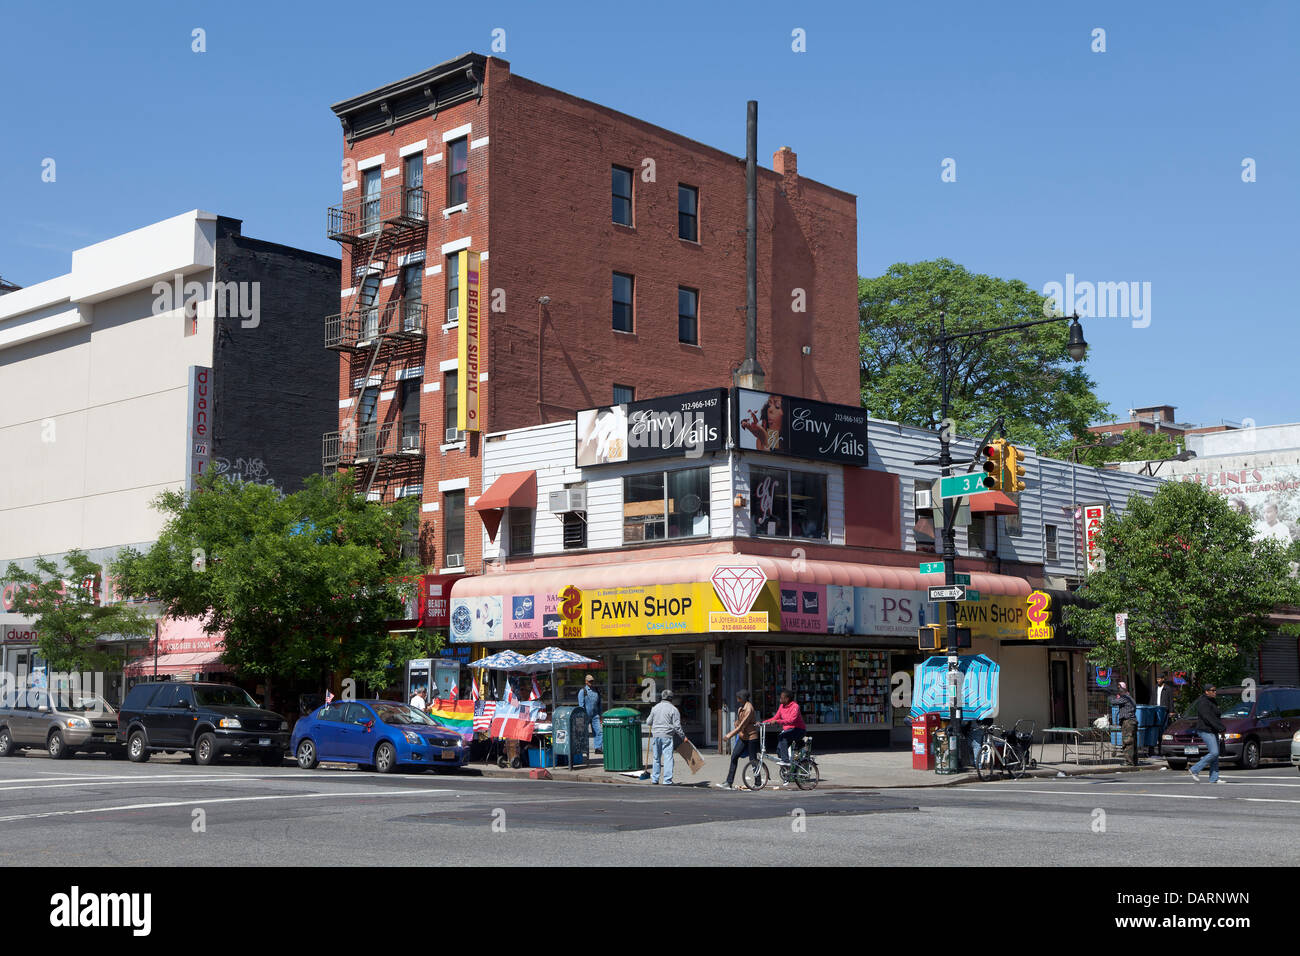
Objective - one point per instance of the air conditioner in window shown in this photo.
(569, 499)
(453, 435)
(454, 561)
(453, 314)
(924, 499)
(411, 440)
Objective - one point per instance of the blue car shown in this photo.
(383, 734)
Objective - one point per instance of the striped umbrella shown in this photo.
(502, 661)
(551, 658)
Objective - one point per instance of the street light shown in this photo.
(1077, 348)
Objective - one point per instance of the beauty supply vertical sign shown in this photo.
(467, 378)
(200, 424)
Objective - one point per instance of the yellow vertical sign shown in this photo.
(467, 359)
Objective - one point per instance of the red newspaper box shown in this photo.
(923, 731)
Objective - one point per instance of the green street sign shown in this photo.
(961, 578)
(932, 567)
(959, 485)
(972, 595)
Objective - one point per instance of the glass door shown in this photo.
(687, 678)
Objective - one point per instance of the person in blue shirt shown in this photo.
(589, 700)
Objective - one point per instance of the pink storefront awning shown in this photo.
(176, 664)
(700, 567)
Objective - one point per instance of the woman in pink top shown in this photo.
(792, 726)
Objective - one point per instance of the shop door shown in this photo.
(1062, 696)
(687, 681)
(716, 703)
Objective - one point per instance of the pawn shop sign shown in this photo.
(1039, 613)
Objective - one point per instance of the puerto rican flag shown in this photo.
(536, 692)
(329, 696)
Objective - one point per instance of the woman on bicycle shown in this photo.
(792, 725)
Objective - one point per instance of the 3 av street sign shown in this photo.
(958, 485)
(932, 567)
(948, 592)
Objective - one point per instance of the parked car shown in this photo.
(1295, 750)
(382, 734)
(61, 724)
(205, 720)
(1259, 729)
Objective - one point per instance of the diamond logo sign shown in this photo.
(737, 588)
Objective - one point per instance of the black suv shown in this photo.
(205, 720)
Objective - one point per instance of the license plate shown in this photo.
(110, 738)
(1191, 751)
(449, 755)
(264, 742)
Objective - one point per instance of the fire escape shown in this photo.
(374, 335)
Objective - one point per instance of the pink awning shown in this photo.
(698, 568)
(176, 664)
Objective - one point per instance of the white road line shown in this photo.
(1102, 793)
(152, 778)
(1267, 800)
(206, 802)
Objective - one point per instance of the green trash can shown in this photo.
(622, 731)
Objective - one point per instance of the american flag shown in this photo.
(329, 696)
(536, 693)
(484, 711)
(473, 689)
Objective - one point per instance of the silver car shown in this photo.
(1295, 750)
(61, 725)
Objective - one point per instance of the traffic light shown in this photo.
(995, 453)
(1011, 459)
(930, 638)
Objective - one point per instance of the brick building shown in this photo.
(610, 264)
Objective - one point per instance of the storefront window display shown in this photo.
(787, 504)
(866, 687)
(769, 676)
(816, 684)
(637, 678)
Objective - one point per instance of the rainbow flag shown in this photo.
(457, 715)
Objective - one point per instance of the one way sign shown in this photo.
(948, 592)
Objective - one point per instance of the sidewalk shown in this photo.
(873, 770)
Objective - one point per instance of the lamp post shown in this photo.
(1077, 348)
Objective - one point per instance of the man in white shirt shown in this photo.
(418, 701)
(1271, 528)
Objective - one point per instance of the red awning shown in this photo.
(517, 489)
(696, 568)
(177, 664)
(993, 503)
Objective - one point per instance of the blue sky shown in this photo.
(1122, 166)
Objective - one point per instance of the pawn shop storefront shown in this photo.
(842, 637)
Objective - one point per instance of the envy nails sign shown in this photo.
(799, 427)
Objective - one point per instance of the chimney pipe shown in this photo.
(750, 374)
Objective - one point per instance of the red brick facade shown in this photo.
(539, 210)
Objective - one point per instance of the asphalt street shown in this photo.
(91, 811)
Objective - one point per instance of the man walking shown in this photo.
(745, 735)
(1209, 726)
(589, 700)
(665, 731)
(1163, 696)
(1127, 717)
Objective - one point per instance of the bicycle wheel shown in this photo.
(986, 763)
(806, 774)
(754, 776)
(1017, 763)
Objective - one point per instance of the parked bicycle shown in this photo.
(1007, 753)
(801, 770)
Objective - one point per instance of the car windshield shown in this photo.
(1231, 705)
(80, 703)
(399, 714)
(223, 697)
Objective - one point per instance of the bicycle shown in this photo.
(801, 770)
(1009, 753)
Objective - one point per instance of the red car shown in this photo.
(1259, 729)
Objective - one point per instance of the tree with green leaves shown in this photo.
(1132, 445)
(300, 585)
(70, 623)
(1197, 588)
(1026, 375)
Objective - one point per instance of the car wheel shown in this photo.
(308, 759)
(6, 743)
(385, 757)
(57, 748)
(1249, 755)
(136, 749)
(1177, 764)
(205, 750)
